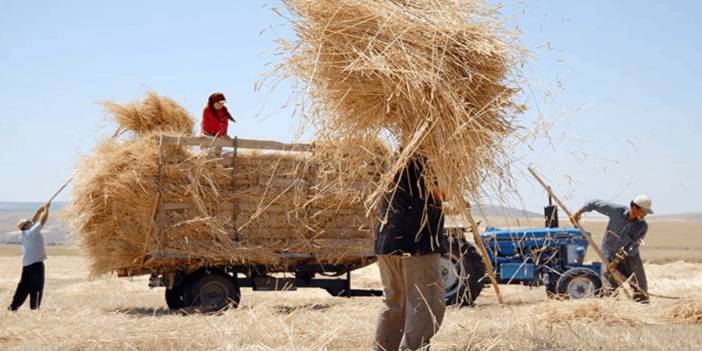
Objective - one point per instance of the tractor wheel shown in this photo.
(174, 297)
(579, 283)
(462, 271)
(212, 291)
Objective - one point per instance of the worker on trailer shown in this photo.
(33, 255)
(626, 230)
(215, 116)
(409, 244)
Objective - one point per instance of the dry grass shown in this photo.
(154, 113)
(435, 77)
(687, 312)
(597, 311)
(124, 314)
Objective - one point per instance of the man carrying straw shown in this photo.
(626, 230)
(33, 255)
(409, 245)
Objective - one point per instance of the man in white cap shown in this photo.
(33, 255)
(625, 232)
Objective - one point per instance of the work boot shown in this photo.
(641, 298)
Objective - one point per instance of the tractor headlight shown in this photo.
(576, 254)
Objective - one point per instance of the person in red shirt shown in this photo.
(215, 116)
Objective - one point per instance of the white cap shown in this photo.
(644, 202)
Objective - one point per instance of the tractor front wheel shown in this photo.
(579, 283)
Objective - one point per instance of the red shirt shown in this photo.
(214, 124)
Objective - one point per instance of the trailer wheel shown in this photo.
(462, 271)
(579, 283)
(212, 291)
(174, 298)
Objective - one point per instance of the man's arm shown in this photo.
(600, 206)
(44, 215)
(634, 237)
(39, 221)
(38, 214)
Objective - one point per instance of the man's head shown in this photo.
(24, 224)
(640, 207)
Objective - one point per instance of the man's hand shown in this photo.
(39, 213)
(576, 216)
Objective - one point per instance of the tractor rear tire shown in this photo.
(212, 291)
(463, 273)
(579, 283)
(174, 298)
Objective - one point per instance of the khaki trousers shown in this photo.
(414, 302)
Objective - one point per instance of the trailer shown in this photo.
(196, 282)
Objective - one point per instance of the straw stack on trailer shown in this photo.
(439, 77)
(159, 197)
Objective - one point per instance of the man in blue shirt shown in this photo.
(626, 230)
(33, 255)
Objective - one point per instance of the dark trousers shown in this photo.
(31, 284)
(632, 266)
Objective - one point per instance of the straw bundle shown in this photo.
(688, 312)
(243, 207)
(437, 75)
(607, 312)
(155, 113)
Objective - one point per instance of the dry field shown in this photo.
(124, 314)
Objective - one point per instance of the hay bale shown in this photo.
(154, 114)
(686, 312)
(249, 211)
(437, 75)
(601, 311)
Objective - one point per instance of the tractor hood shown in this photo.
(509, 242)
(531, 233)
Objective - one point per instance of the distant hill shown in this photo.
(6, 206)
(55, 232)
(503, 211)
(692, 216)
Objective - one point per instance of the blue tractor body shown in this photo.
(540, 256)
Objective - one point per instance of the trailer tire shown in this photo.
(579, 283)
(463, 272)
(212, 291)
(174, 298)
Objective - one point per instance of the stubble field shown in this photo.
(124, 314)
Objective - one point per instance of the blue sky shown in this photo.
(617, 80)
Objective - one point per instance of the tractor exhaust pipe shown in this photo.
(551, 214)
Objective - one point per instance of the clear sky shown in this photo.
(617, 80)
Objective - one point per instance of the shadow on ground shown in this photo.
(285, 309)
(160, 312)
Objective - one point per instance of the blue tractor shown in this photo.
(550, 256)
